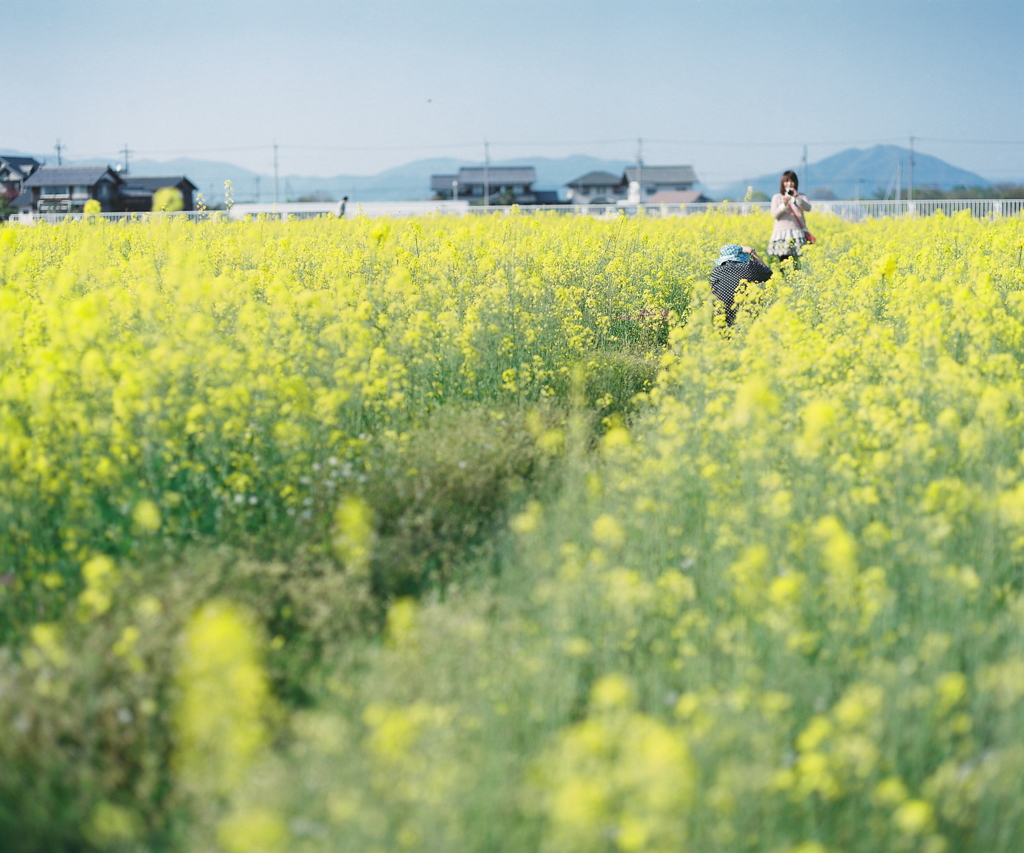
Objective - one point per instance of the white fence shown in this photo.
(56, 218)
(981, 208)
(853, 211)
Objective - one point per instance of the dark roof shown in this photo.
(664, 174)
(60, 175)
(442, 182)
(596, 179)
(498, 175)
(676, 197)
(154, 183)
(22, 165)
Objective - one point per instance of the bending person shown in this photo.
(736, 264)
(788, 233)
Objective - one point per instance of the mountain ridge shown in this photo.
(861, 172)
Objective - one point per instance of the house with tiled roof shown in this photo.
(66, 189)
(597, 188)
(138, 190)
(656, 179)
(22, 204)
(677, 197)
(502, 184)
(14, 171)
(661, 185)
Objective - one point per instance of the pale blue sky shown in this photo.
(732, 87)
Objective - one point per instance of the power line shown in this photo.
(624, 140)
(504, 142)
(381, 147)
(747, 144)
(730, 143)
(202, 150)
(972, 141)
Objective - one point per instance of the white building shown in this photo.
(597, 188)
(657, 179)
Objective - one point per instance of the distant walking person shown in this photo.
(789, 233)
(735, 264)
(341, 207)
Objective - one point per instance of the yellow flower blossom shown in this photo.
(914, 817)
(354, 534)
(220, 720)
(146, 516)
(608, 531)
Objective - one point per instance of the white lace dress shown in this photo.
(787, 235)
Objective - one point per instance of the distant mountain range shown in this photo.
(859, 173)
(847, 174)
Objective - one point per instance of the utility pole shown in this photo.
(257, 179)
(856, 192)
(58, 148)
(803, 169)
(639, 170)
(899, 179)
(275, 173)
(127, 154)
(487, 174)
(910, 183)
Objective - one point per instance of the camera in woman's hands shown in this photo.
(791, 191)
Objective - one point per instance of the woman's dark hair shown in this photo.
(788, 175)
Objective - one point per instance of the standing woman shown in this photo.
(789, 232)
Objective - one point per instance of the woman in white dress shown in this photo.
(788, 234)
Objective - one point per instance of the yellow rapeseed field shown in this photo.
(484, 534)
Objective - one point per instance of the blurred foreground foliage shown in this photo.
(484, 534)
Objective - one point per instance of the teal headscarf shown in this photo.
(732, 252)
